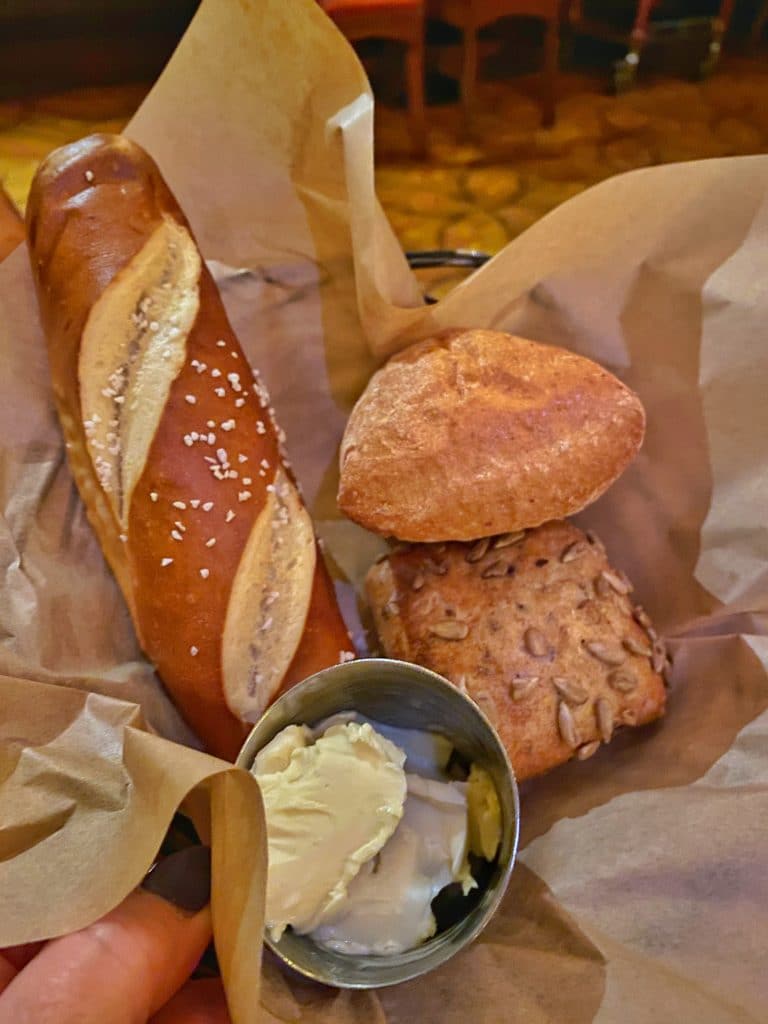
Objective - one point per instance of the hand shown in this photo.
(130, 967)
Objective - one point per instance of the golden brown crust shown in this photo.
(538, 631)
(93, 208)
(476, 432)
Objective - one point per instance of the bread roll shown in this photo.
(536, 627)
(173, 444)
(475, 433)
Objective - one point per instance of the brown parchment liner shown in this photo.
(640, 894)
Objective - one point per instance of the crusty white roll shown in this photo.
(475, 432)
(173, 443)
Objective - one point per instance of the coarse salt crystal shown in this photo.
(193, 651)
(153, 495)
(244, 495)
(207, 506)
(205, 573)
(229, 516)
(210, 542)
(221, 344)
(180, 505)
(166, 561)
(176, 535)
(190, 399)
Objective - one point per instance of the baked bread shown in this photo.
(475, 433)
(536, 627)
(173, 444)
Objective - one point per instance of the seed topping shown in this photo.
(450, 629)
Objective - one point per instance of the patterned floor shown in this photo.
(479, 192)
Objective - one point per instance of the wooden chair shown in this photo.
(472, 15)
(400, 20)
(643, 30)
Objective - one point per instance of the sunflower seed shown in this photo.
(390, 609)
(618, 581)
(604, 715)
(659, 656)
(506, 540)
(566, 725)
(495, 569)
(478, 550)
(418, 582)
(573, 551)
(450, 629)
(460, 682)
(587, 750)
(606, 653)
(622, 681)
(570, 691)
(641, 618)
(521, 688)
(535, 642)
(636, 647)
(438, 568)
(602, 587)
(487, 705)
(629, 717)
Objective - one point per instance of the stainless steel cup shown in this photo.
(398, 694)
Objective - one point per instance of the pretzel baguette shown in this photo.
(173, 444)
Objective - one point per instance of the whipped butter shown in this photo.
(330, 807)
(365, 828)
(388, 906)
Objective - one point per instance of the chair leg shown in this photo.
(719, 27)
(551, 59)
(469, 74)
(414, 71)
(760, 22)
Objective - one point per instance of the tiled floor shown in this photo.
(479, 192)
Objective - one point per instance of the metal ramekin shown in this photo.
(405, 695)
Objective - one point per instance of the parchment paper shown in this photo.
(641, 892)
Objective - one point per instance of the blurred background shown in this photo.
(489, 112)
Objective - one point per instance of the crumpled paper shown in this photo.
(640, 893)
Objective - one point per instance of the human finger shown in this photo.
(123, 968)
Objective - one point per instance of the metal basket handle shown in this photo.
(425, 258)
